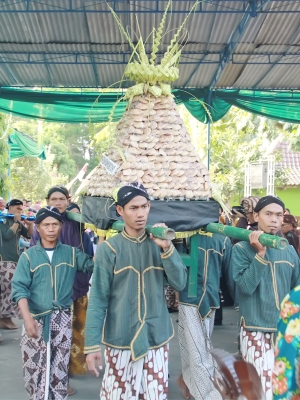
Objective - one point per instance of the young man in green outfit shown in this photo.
(263, 276)
(42, 288)
(127, 304)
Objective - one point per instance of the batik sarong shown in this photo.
(45, 365)
(257, 349)
(145, 379)
(198, 365)
(7, 308)
(171, 299)
(77, 357)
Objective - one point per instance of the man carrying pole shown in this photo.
(196, 318)
(264, 276)
(128, 307)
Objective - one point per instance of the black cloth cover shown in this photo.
(179, 215)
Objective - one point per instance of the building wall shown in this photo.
(291, 199)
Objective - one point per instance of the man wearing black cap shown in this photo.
(42, 288)
(127, 305)
(10, 231)
(264, 276)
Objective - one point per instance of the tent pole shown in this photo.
(8, 170)
(208, 131)
(208, 144)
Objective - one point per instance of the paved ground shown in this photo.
(11, 381)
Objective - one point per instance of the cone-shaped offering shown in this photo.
(152, 145)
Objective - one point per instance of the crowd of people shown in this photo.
(47, 284)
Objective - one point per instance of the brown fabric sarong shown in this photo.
(7, 308)
(257, 349)
(144, 379)
(45, 365)
(171, 299)
(77, 364)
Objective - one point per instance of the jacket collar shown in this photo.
(134, 239)
(41, 248)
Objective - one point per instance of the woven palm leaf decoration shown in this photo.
(152, 145)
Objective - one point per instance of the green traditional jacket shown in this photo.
(127, 305)
(48, 286)
(9, 240)
(263, 283)
(214, 253)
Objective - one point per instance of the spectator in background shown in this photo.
(288, 228)
(247, 219)
(10, 232)
(2, 205)
(287, 211)
(29, 207)
(37, 206)
(23, 244)
(73, 207)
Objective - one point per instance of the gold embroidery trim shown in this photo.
(110, 246)
(261, 328)
(168, 253)
(260, 259)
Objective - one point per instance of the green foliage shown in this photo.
(62, 160)
(69, 147)
(105, 139)
(237, 139)
(4, 157)
(32, 177)
(292, 133)
(4, 164)
(69, 143)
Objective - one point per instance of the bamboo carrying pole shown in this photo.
(267, 240)
(273, 241)
(159, 231)
(191, 259)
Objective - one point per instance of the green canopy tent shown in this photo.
(21, 145)
(85, 107)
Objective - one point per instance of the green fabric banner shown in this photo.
(84, 107)
(21, 145)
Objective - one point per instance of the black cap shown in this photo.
(266, 200)
(14, 202)
(129, 191)
(46, 212)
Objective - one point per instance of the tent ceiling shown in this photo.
(76, 43)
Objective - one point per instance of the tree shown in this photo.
(69, 143)
(31, 177)
(235, 140)
(4, 156)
